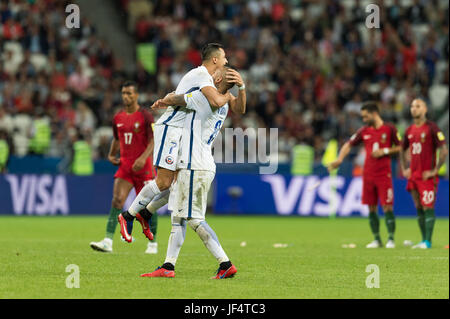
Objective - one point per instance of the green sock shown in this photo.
(421, 221)
(112, 222)
(154, 226)
(430, 218)
(390, 223)
(375, 225)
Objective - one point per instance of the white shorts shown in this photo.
(166, 146)
(189, 194)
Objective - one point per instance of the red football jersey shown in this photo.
(134, 132)
(423, 142)
(385, 136)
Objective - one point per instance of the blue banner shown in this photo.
(31, 194)
(308, 196)
(46, 194)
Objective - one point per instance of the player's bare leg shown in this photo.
(137, 209)
(374, 222)
(121, 189)
(390, 224)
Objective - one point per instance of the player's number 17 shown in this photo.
(128, 137)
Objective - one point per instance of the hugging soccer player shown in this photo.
(380, 140)
(422, 139)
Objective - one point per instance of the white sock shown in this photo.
(209, 238)
(176, 239)
(158, 201)
(144, 197)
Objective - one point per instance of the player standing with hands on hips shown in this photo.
(423, 138)
(380, 140)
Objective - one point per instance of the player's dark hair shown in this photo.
(209, 49)
(130, 83)
(370, 106)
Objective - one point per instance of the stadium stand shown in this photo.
(308, 65)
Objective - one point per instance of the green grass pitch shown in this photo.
(35, 252)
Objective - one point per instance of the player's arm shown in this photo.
(214, 98)
(113, 150)
(443, 152)
(386, 151)
(345, 150)
(171, 99)
(406, 171)
(237, 104)
(139, 163)
(439, 141)
(394, 149)
(115, 145)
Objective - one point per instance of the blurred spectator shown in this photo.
(308, 65)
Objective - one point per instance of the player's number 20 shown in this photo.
(128, 137)
(416, 148)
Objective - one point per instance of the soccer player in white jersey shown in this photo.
(167, 136)
(196, 170)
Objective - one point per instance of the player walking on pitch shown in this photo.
(168, 130)
(380, 140)
(133, 137)
(188, 198)
(423, 138)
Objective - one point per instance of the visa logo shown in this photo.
(38, 194)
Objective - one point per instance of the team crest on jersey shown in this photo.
(383, 138)
(169, 160)
(136, 127)
(422, 137)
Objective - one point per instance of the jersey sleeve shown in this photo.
(149, 120)
(356, 138)
(205, 80)
(196, 101)
(405, 142)
(437, 136)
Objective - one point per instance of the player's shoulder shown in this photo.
(362, 129)
(118, 114)
(146, 114)
(432, 125)
(390, 125)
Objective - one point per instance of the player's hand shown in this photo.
(407, 173)
(138, 164)
(159, 104)
(429, 174)
(333, 165)
(233, 76)
(378, 153)
(114, 160)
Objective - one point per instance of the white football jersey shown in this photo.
(195, 79)
(202, 124)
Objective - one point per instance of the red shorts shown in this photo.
(139, 178)
(379, 188)
(427, 190)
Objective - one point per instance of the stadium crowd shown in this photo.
(308, 65)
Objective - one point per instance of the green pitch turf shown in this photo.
(35, 252)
